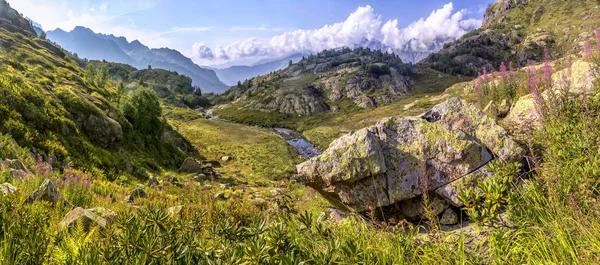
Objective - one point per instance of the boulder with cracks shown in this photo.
(399, 158)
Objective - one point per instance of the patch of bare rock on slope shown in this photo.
(384, 165)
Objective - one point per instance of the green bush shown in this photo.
(142, 109)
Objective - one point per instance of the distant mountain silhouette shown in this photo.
(96, 46)
(233, 74)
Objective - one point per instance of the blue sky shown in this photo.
(214, 32)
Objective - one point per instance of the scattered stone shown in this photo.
(449, 217)
(174, 181)
(103, 130)
(153, 181)
(128, 167)
(105, 213)
(87, 218)
(524, 113)
(142, 173)
(220, 196)
(190, 165)
(18, 165)
(200, 178)
(226, 158)
(7, 188)
(47, 192)
(414, 209)
(18, 174)
(136, 193)
(333, 215)
(175, 211)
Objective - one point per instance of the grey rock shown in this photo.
(47, 192)
(449, 217)
(135, 194)
(175, 211)
(333, 215)
(128, 167)
(190, 165)
(415, 208)
(103, 130)
(87, 218)
(7, 189)
(383, 164)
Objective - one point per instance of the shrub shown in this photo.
(142, 109)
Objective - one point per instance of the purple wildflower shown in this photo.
(598, 40)
(503, 72)
(547, 69)
(587, 50)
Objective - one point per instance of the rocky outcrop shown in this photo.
(395, 159)
(495, 12)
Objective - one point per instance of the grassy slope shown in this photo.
(258, 154)
(47, 101)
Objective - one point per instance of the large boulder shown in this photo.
(385, 164)
(103, 130)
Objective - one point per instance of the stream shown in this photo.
(305, 148)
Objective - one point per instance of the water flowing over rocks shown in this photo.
(394, 160)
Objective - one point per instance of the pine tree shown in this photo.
(90, 73)
(120, 92)
(102, 77)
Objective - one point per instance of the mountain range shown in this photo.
(231, 75)
(94, 46)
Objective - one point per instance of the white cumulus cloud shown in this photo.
(443, 25)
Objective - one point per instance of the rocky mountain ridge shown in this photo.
(322, 82)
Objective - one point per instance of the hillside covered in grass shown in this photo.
(70, 115)
(518, 31)
(502, 169)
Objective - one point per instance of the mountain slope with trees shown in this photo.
(71, 115)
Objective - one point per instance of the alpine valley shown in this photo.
(480, 147)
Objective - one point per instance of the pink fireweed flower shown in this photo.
(547, 69)
(587, 50)
(485, 74)
(598, 40)
(503, 72)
